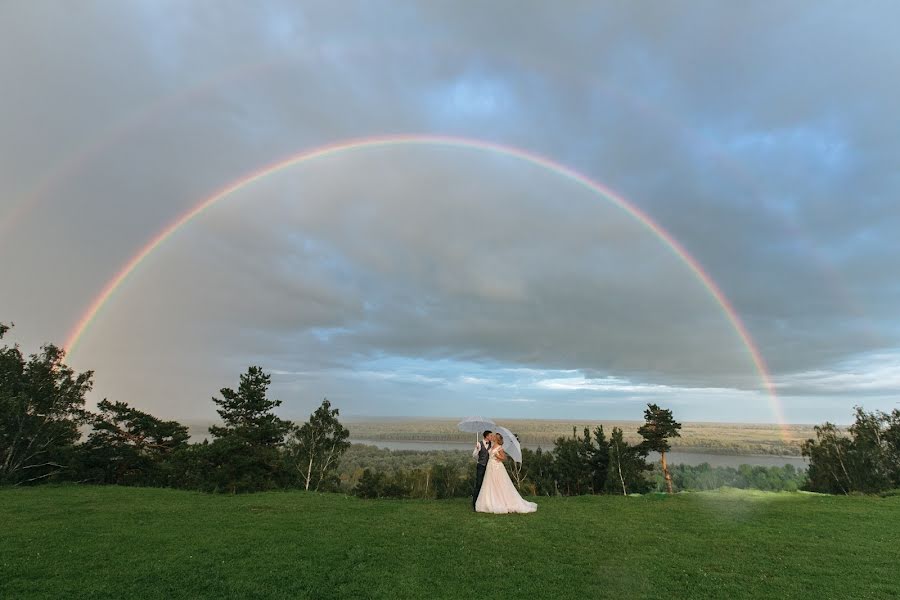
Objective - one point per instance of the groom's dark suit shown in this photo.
(482, 457)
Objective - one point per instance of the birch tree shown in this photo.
(317, 445)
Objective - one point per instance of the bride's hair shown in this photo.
(499, 439)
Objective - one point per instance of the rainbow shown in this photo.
(445, 141)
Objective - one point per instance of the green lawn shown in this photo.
(109, 542)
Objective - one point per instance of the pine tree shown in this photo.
(129, 446)
(658, 427)
(246, 449)
(598, 460)
(572, 464)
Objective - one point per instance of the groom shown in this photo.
(481, 455)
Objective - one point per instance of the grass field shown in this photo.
(113, 542)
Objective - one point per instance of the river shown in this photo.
(674, 458)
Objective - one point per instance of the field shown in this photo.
(716, 438)
(725, 438)
(114, 542)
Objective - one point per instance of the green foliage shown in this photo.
(246, 453)
(539, 473)
(109, 542)
(829, 456)
(598, 460)
(572, 464)
(705, 477)
(362, 456)
(247, 412)
(440, 481)
(866, 459)
(41, 408)
(581, 464)
(129, 447)
(658, 427)
(371, 484)
(627, 466)
(577, 465)
(314, 450)
(448, 482)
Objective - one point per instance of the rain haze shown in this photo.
(530, 210)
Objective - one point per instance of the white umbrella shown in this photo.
(510, 444)
(476, 424)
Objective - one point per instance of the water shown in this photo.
(674, 458)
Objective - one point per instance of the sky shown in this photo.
(650, 196)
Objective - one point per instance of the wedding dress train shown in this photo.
(498, 494)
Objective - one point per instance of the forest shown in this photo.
(43, 415)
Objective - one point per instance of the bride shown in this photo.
(498, 494)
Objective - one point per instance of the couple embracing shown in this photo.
(494, 490)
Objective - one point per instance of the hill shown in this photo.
(115, 542)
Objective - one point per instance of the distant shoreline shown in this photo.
(689, 456)
(756, 442)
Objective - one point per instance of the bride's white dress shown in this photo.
(498, 494)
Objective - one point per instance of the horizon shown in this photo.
(411, 418)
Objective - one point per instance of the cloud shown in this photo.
(761, 138)
(874, 375)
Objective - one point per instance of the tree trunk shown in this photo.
(619, 468)
(309, 471)
(666, 473)
(844, 468)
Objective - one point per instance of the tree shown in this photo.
(598, 460)
(572, 463)
(872, 463)
(316, 447)
(829, 460)
(446, 481)
(129, 446)
(539, 473)
(41, 408)
(245, 454)
(864, 459)
(627, 465)
(891, 437)
(371, 484)
(658, 427)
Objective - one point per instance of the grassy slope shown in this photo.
(108, 542)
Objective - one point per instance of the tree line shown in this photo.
(864, 459)
(406, 473)
(42, 414)
(582, 464)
